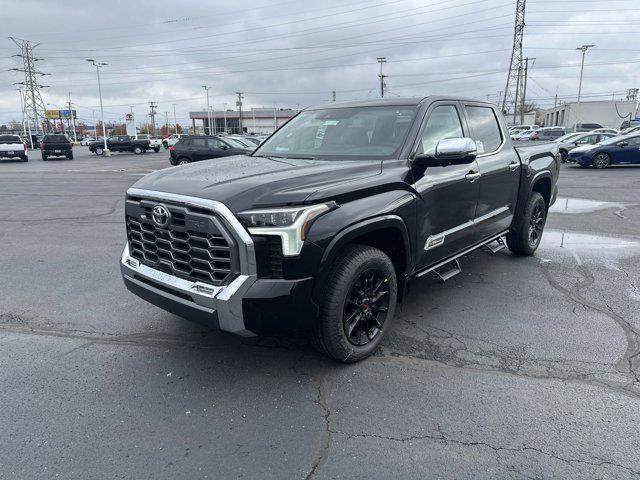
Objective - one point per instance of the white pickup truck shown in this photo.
(154, 142)
(12, 146)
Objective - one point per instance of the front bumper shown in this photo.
(580, 158)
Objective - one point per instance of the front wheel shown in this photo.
(156, 149)
(526, 233)
(358, 304)
(98, 151)
(137, 150)
(601, 160)
(564, 156)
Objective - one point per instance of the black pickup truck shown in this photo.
(324, 225)
(56, 145)
(120, 143)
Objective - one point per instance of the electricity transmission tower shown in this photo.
(514, 88)
(33, 106)
(152, 113)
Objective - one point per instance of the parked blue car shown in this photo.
(624, 149)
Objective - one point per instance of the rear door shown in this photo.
(499, 167)
(448, 195)
(198, 149)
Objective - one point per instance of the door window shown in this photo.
(443, 122)
(486, 129)
(588, 140)
(633, 142)
(214, 143)
(199, 142)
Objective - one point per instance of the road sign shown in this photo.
(52, 114)
(67, 113)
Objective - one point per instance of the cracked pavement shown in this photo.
(517, 368)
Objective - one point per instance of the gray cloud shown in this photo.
(290, 53)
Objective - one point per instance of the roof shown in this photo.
(394, 101)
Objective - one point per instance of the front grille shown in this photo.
(194, 246)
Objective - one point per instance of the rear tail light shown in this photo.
(172, 148)
(42, 146)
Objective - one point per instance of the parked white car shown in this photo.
(172, 139)
(12, 146)
(85, 141)
(606, 130)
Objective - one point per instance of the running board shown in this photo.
(453, 270)
(494, 247)
(443, 263)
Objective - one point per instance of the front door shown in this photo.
(630, 153)
(448, 195)
(499, 171)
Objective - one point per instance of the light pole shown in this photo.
(98, 65)
(224, 105)
(206, 89)
(175, 122)
(584, 49)
(73, 121)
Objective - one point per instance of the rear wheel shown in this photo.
(98, 151)
(70, 156)
(137, 150)
(25, 159)
(156, 149)
(44, 157)
(183, 161)
(601, 160)
(165, 145)
(358, 304)
(526, 233)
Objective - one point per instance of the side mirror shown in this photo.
(224, 147)
(449, 151)
(623, 144)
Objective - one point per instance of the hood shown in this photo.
(242, 182)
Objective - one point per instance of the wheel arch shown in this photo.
(542, 185)
(388, 233)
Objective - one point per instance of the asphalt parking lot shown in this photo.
(517, 368)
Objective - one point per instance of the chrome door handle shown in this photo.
(472, 176)
(513, 166)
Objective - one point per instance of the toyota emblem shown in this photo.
(160, 216)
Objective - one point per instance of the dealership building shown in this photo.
(255, 120)
(609, 113)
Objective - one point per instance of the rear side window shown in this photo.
(485, 128)
(199, 142)
(10, 139)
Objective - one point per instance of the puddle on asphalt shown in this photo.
(582, 205)
(606, 250)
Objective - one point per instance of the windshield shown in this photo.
(569, 136)
(235, 142)
(357, 133)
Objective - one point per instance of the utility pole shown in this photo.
(239, 105)
(175, 121)
(511, 98)
(381, 61)
(275, 118)
(583, 49)
(98, 66)
(152, 114)
(73, 120)
(32, 100)
(333, 96)
(524, 88)
(206, 90)
(166, 122)
(555, 101)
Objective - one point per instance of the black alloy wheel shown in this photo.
(536, 224)
(366, 307)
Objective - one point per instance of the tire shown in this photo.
(137, 150)
(359, 269)
(165, 145)
(44, 158)
(70, 157)
(25, 159)
(183, 161)
(156, 149)
(601, 160)
(521, 239)
(98, 151)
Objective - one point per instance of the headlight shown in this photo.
(289, 223)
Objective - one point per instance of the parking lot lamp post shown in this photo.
(206, 89)
(175, 121)
(224, 106)
(584, 49)
(98, 65)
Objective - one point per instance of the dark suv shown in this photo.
(194, 149)
(56, 145)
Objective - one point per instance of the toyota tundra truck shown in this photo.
(324, 226)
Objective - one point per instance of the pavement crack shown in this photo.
(325, 441)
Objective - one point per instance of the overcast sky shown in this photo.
(290, 53)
